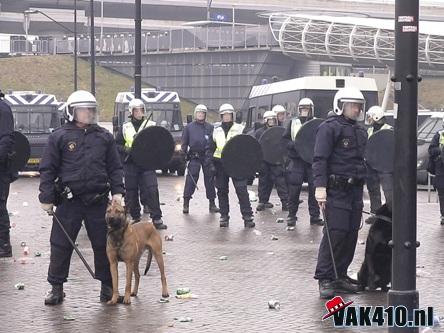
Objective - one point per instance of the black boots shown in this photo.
(224, 221)
(55, 295)
(213, 208)
(158, 224)
(186, 205)
(316, 221)
(326, 289)
(106, 293)
(248, 221)
(5, 247)
(291, 220)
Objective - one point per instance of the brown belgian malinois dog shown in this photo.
(126, 242)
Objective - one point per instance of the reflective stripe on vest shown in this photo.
(220, 139)
(370, 129)
(129, 132)
(441, 138)
(295, 127)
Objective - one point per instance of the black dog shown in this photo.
(376, 269)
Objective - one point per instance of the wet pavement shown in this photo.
(232, 294)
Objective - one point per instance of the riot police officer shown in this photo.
(221, 135)
(79, 167)
(195, 139)
(269, 174)
(6, 176)
(281, 114)
(436, 166)
(136, 179)
(339, 176)
(375, 118)
(298, 170)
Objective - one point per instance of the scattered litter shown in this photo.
(19, 286)
(26, 250)
(25, 204)
(257, 232)
(23, 244)
(270, 253)
(422, 273)
(187, 296)
(169, 238)
(182, 291)
(171, 325)
(361, 242)
(184, 319)
(273, 212)
(311, 242)
(252, 196)
(419, 266)
(164, 252)
(273, 237)
(162, 203)
(274, 305)
(277, 204)
(68, 318)
(289, 228)
(37, 254)
(164, 300)
(280, 220)
(223, 258)
(178, 199)
(13, 225)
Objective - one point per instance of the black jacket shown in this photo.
(6, 140)
(86, 160)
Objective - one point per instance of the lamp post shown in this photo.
(93, 48)
(138, 50)
(29, 12)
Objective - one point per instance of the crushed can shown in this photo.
(290, 228)
(280, 220)
(183, 291)
(23, 244)
(19, 286)
(169, 238)
(274, 305)
(273, 237)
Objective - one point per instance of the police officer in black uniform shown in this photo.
(6, 176)
(269, 174)
(298, 170)
(436, 167)
(138, 180)
(79, 167)
(195, 138)
(339, 173)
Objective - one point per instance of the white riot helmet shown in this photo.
(348, 95)
(306, 103)
(270, 115)
(278, 109)
(200, 108)
(227, 108)
(375, 113)
(135, 104)
(81, 99)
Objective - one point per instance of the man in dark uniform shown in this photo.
(298, 170)
(436, 167)
(6, 176)
(221, 135)
(195, 139)
(269, 174)
(136, 179)
(339, 173)
(79, 167)
(376, 119)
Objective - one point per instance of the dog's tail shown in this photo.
(148, 261)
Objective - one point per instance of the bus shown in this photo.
(321, 89)
(36, 115)
(163, 107)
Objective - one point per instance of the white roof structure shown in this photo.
(149, 95)
(357, 38)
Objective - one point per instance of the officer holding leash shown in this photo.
(339, 174)
(79, 167)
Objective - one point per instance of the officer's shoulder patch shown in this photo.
(71, 145)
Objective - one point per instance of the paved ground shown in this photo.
(233, 294)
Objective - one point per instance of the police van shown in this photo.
(162, 107)
(321, 89)
(36, 115)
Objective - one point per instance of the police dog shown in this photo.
(126, 242)
(376, 269)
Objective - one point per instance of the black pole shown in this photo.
(75, 45)
(93, 48)
(138, 50)
(406, 79)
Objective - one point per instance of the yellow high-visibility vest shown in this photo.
(129, 132)
(295, 127)
(370, 129)
(220, 139)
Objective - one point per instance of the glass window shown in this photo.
(429, 128)
(167, 115)
(35, 119)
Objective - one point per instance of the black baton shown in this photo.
(329, 242)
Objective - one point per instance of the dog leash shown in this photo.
(385, 218)
(74, 246)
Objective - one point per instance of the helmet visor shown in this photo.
(85, 114)
(353, 109)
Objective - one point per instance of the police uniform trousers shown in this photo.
(138, 181)
(297, 172)
(438, 183)
(4, 215)
(343, 213)
(240, 185)
(270, 175)
(375, 180)
(194, 166)
(71, 213)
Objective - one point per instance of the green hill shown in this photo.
(54, 75)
